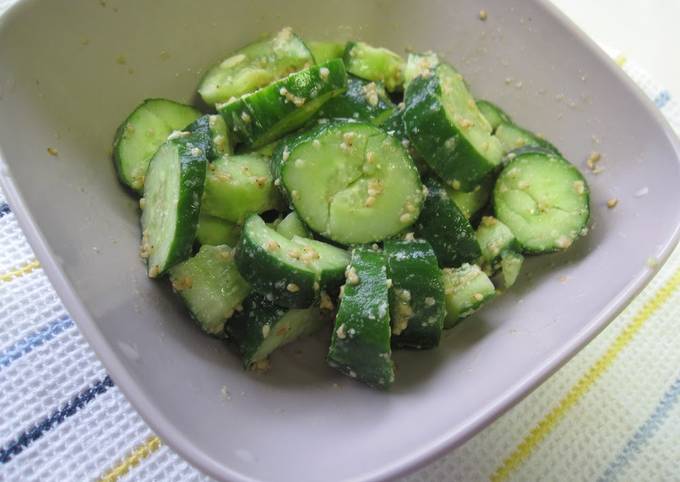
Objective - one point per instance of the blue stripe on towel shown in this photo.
(4, 209)
(16, 446)
(662, 98)
(34, 340)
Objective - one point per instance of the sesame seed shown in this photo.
(405, 218)
(142, 202)
(611, 203)
(154, 271)
(340, 332)
(272, 245)
(455, 184)
(429, 301)
(478, 296)
(483, 15)
(324, 73)
(52, 151)
(245, 117)
(292, 287)
(265, 331)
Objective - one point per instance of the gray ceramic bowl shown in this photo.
(63, 84)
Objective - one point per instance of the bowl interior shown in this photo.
(70, 71)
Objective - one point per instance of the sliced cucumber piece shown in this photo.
(511, 265)
(240, 185)
(360, 345)
(350, 181)
(291, 226)
(215, 231)
(172, 201)
(325, 51)
(514, 137)
(447, 129)
(544, 200)
(262, 327)
(215, 135)
(466, 289)
(255, 66)
(375, 63)
(142, 133)
(288, 272)
(445, 227)
(418, 65)
(494, 239)
(470, 203)
(417, 305)
(267, 114)
(210, 286)
(494, 114)
(363, 100)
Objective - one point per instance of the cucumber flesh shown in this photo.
(466, 289)
(418, 65)
(291, 226)
(238, 186)
(447, 130)
(214, 231)
(210, 286)
(363, 101)
(511, 265)
(494, 114)
(269, 113)
(255, 66)
(142, 133)
(214, 131)
(494, 239)
(377, 64)
(172, 202)
(350, 182)
(514, 137)
(325, 51)
(544, 200)
(262, 327)
(471, 203)
(360, 345)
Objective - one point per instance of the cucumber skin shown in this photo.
(324, 51)
(354, 105)
(418, 273)
(436, 140)
(365, 355)
(494, 114)
(532, 141)
(201, 127)
(454, 246)
(266, 113)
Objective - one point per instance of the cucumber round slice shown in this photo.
(514, 137)
(360, 345)
(445, 227)
(363, 101)
(142, 133)
(375, 63)
(350, 182)
(325, 51)
(494, 114)
(267, 114)
(172, 201)
(210, 286)
(447, 130)
(255, 66)
(417, 294)
(544, 200)
(466, 289)
(288, 272)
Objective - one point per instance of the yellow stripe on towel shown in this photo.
(19, 272)
(543, 428)
(140, 453)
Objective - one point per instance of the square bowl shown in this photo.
(71, 70)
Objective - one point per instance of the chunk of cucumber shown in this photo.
(325, 51)
(291, 226)
(255, 66)
(172, 201)
(360, 344)
(265, 115)
(210, 286)
(471, 203)
(447, 129)
(418, 65)
(417, 305)
(494, 114)
(288, 272)
(142, 133)
(350, 181)
(377, 64)
(262, 327)
(214, 131)
(514, 137)
(500, 250)
(215, 231)
(466, 289)
(445, 227)
(544, 200)
(511, 265)
(238, 186)
(363, 101)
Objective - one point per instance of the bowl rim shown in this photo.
(417, 458)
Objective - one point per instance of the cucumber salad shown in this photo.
(341, 187)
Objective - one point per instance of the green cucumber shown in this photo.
(419, 64)
(417, 305)
(255, 66)
(447, 130)
(363, 101)
(262, 327)
(240, 185)
(471, 203)
(350, 182)
(325, 51)
(214, 130)
(172, 201)
(142, 133)
(466, 289)
(500, 250)
(494, 114)
(215, 231)
(514, 137)
(511, 265)
(446, 228)
(271, 112)
(288, 272)
(210, 286)
(291, 226)
(376, 64)
(544, 200)
(360, 344)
